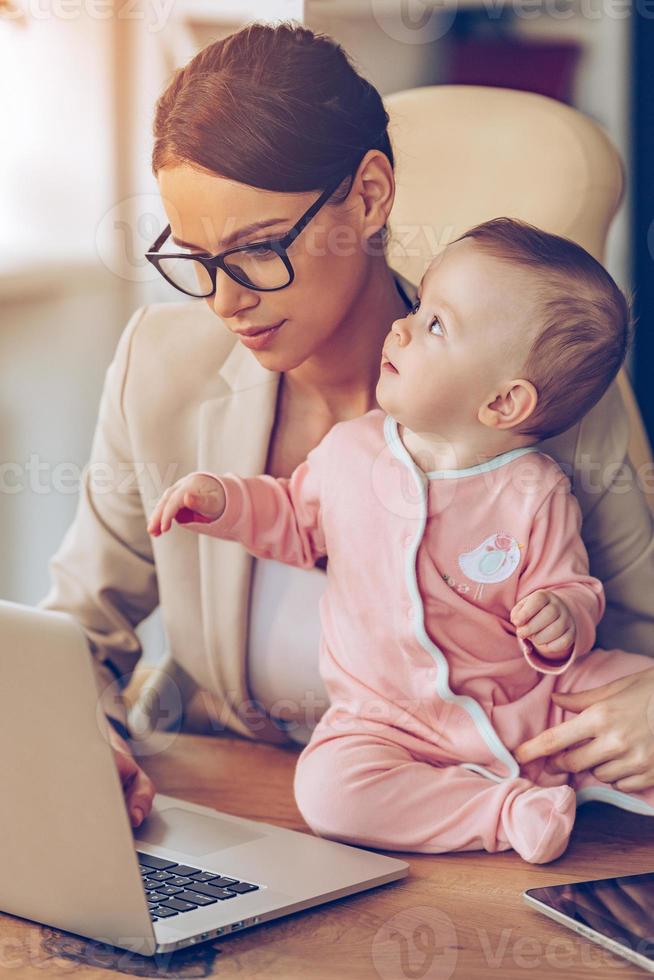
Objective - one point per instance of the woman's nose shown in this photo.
(231, 297)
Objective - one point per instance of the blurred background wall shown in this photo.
(79, 205)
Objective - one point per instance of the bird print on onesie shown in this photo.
(494, 560)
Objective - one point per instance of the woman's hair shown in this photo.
(583, 322)
(279, 108)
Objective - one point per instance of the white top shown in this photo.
(283, 642)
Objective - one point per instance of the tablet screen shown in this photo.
(621, 909)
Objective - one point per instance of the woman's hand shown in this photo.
(618, 719)
(138, 789)
(196, 497)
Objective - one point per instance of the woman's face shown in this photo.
(331, 257)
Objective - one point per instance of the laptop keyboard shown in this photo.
(172, 889)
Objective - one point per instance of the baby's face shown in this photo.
(471, 329)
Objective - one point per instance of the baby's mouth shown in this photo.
(386, 365)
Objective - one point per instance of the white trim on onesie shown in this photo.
(602, 794)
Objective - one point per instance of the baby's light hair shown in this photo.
(585, 322)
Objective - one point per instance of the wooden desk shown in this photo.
(458, 915)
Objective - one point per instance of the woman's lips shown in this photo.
(260, 340)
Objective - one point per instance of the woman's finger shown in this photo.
(584, 699)
(555, 739)
(614, 769)
(139, 796)
(595, 752)
(635, 784)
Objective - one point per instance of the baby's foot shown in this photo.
(538, 821)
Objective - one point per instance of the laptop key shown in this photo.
(242, 887)
(151, 886)
(160, 896)
(164, 913)
(179, 880)
(212, 892)
(196, 897)
(149, 861)
(204, 876)
(159, 876)
(174, 903)
(186, 869)
(168, 890)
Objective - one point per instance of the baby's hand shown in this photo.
(196, 497)
(544, 619)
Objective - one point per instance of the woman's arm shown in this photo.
(103, 573)
(618, 533)
(617, 528)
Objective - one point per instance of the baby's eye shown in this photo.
(439, 332)
(415, 307)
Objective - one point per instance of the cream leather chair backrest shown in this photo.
(465, 153)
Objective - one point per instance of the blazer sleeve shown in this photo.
(275, 517)
(557, 560)
(103, 573)
(618, 527)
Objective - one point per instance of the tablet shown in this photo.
(617, 913)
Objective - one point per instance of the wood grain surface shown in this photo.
(457, 915)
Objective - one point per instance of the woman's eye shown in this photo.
(438, 332)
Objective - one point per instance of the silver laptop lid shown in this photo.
(66, 846)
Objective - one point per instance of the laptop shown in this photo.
(69, 856)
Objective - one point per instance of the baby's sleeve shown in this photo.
(557, 560)
(275, 517)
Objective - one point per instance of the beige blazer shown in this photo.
(182, 395)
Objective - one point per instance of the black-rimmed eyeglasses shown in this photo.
(263, 265)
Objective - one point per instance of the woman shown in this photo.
(271, 136)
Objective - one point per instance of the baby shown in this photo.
(458, 596)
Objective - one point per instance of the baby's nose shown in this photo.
(401, 331)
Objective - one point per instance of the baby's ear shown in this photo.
(510, 406)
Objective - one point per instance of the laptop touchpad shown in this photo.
(193, 833)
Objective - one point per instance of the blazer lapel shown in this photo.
(234, 435)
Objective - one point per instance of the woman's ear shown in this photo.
(509, 407)
(374, 187)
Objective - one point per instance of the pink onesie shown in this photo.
(430, 689)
